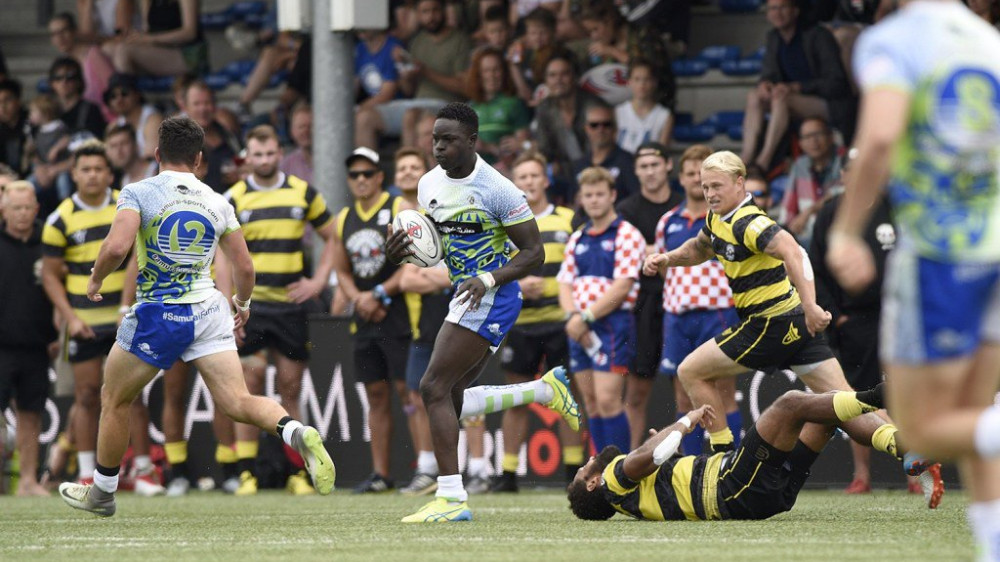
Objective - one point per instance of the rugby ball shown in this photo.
(607, 81)
(424, 238)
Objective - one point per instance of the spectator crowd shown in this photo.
(594, 158)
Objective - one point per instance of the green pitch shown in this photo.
(529, 526)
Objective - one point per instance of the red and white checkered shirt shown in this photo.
(700, 287)
(594, 260)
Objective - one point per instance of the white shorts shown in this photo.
(160, 333)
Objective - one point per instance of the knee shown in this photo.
(378, 395)
(89, 397)
(688, 372)
(290, 388)
(609, 404)
(432, 390)
(791, 401)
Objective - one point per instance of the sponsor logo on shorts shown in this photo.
(171, 317)
(145, 348)
(947, 340)
(792, 335)
(495, 329)
(761, 454)
(667, 365)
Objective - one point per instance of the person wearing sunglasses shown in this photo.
(603, 150)
(371, 282)
(80, 115)
(128, 105)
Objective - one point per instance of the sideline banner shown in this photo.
(334, 402)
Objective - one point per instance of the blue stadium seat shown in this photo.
(723, 120)
(155, 83)
(218, 80)
(236, 70)
(690, 67)
(216, 20)
(701, 132)
(735, 132)
(240, 10)
(779, 186)
(255, 21)
(718, 54)
(43, 86)
(745, 67)
(758, 54)
(683, 119)
(739, 6)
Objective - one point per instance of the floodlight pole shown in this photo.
(333, 105)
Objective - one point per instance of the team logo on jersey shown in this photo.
(674, 228)
(562, 236)
(608, 245)
(185, 237)
(581, 249)
(182, 189)
(886, 236)
(792, 335)
(432, 205)
(80, 236)
(298, 213)
(384, 216)
(365, 247)
(730, 252)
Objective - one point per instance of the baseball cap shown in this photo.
(652, 148)
(363, 152)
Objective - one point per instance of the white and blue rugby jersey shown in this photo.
(944, 178)
(471, 214)
(182, 221)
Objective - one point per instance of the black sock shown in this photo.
(179, 470)
(802, 457)
(229, 470)
(874, 397)
(108, 471)
(281, 426)
(245, 465)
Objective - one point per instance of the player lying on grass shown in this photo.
(760, 479)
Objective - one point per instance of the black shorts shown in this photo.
(755, 482)
(648, 336)
(24, 375)
(526, 346)
(856, 343)
(79, 350)
(285, 330)
(778, 342)
(380, 359)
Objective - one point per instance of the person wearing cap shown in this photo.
(124, 99)
(371, 283)
(643, 210)
(697, 301)
(273, 209)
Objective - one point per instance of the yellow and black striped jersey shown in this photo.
(74, 232)
(555, 226)
(759, 281)
(682, 488)
(274, 221)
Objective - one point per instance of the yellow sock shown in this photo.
(847, 406)
(884, 439)
(510, 462)
(225, 454)
(246, 449)
(573, 455)
(721, 437)
(177, 451)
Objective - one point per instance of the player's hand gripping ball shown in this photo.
(424, 242)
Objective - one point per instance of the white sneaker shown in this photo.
(147, 487)
(178, 487)
(231, 484)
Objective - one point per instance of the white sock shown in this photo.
(984, 518)
(450, 487)
(987, 433)
(477, 467)
(107, 483)
(289, 429)
(142, 464)
(427, 463)
(88, 463)
(480, 400)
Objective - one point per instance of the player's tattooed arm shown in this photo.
(696, 250)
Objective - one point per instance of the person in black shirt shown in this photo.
(81, 116)
(854, 332)
(26, 329)
(605, 152)
(643, 210)
(13, 126)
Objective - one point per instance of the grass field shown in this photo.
(532, 525)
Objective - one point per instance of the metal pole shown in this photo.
(333, 105)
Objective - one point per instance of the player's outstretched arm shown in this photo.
(642, 461)
(114, 250)
(692, 252)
